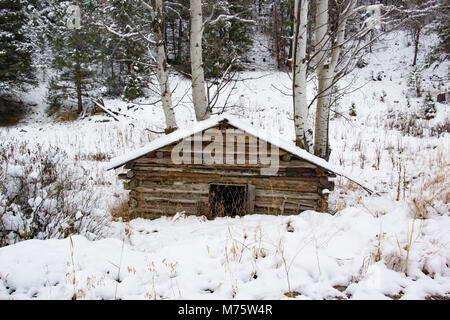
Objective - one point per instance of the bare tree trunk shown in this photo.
(322, 109)
(78, 80)
(292, 42)
(162, 68)
(277, 32)
(180, 41)
(303, 132)
(326, 71)
(198, 77)
(416, 35)
(79, 89)
(174, 42)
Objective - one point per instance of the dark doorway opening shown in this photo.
(227, 200)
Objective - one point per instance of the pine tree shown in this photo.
(352, 112)
(282, 30)
(39, 12)
(429, 107)
(441, 25)
(76, 54)
(134, 84)
(415, 82)
(16, 68)
(124, 51)
(226, 42)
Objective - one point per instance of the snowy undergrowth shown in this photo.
(42, 195)
(391, 245)
(254, 257)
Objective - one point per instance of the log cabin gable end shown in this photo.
(246, 150)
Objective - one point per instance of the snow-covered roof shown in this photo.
(269, 137)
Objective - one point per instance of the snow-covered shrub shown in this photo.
(121, 210)
(352, 112)
(429, 108)
(415, 82)
(362, 63)
(383, 97)
(380, 76)
(42, 195)
(416, 123)
(134, 86)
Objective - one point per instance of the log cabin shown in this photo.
(224, 166)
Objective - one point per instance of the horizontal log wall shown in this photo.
(158, 187)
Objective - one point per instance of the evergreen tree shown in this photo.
(429, 107)
(134, 85)
(124, 50)
(16, 68)
(415, 82)
(274, 19)
(39, 12)
(177, 34)
(226, 41)
(441, 25)
(76, 54)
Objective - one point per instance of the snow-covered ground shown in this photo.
(254, 257)
(373, 247)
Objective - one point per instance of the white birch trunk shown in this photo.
(322, 109)
(162, 68)
(326, 72)
(303, 132)
(323, 114)
(198, 77)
